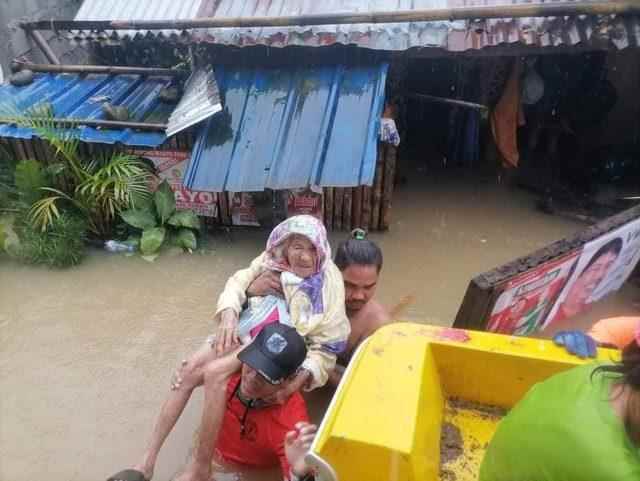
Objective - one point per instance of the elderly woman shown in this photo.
(582, 424)
(312, 301)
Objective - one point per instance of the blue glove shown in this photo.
(577, 343)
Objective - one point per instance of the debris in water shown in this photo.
(451, 446)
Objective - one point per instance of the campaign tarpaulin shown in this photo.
(305, 201)
(604, 265)
(243, 210)
(170, 165)
(522, 306)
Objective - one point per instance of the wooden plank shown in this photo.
(387, 189)
(346, 210)
(338, 198)
(28, 148)
(377, 188)
(367, 196)
(356, 216)
(225, 216)
(328, 208)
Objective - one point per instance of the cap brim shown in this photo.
(253, 356)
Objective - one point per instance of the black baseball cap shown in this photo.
(276, 353)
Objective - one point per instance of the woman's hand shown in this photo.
(227, 335)
(267, 283)
(296, 445)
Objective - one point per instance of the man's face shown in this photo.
(360, 285)
(254, 386)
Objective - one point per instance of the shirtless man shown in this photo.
(360, 261)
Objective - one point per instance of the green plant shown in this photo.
(61, 244)
(95, 188)
(159, 223)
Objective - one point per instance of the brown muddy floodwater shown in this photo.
(86, 354)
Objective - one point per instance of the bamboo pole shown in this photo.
(39, 151)
(559, 9)
(452, 102)
(28, 148)
(356, 216)
(377, 188)
(338, 198)
(223, 207)
(99, 69)
(44, 46)
(346, 211)
(112, 124)
(328, 208)
(387, 190)
(366, 207)
(19, 148)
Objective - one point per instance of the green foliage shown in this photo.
(152, 239)
(140, 219)
(165, 202)
(185, 218)
(160, 223)
(62, 244)
(95, 188)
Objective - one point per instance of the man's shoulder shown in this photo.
(376, 315)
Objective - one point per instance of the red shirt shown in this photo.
(261, 445)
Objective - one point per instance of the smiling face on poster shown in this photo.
(605, 264)
(526, 299)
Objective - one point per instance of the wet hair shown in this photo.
(614, 246)
(358, 250)
(628, 373)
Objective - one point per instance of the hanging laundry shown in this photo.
(506, 117)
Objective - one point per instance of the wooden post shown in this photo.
(39, 151)
(377, 187)
(356, 217)
(28, 148)
(328, 208)
(44, 47)
(366, 207)
(22, 154)
(346, 211)
(387, 190)
(338, 198)
(225, 217)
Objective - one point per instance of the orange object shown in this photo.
(506, 117)
(616, 331)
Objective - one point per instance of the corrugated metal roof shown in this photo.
(81, 97)
(451, 36)
(287, 128)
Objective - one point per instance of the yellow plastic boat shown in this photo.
(408, 381)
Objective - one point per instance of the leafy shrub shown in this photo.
(61, 244)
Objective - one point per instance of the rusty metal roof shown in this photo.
(451, 36)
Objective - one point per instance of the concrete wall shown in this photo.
(13, 41)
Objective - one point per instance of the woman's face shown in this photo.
(301, 256)
(591, 278)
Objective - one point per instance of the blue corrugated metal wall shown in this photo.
(81, 96)
(291, 127)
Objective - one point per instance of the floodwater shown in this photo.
(86, 354)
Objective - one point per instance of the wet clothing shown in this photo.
(615, 331)
(564, 429)
(315, 305)
(253, 435)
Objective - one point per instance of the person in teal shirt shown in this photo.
(580, 425)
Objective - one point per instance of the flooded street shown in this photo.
(86, 354)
